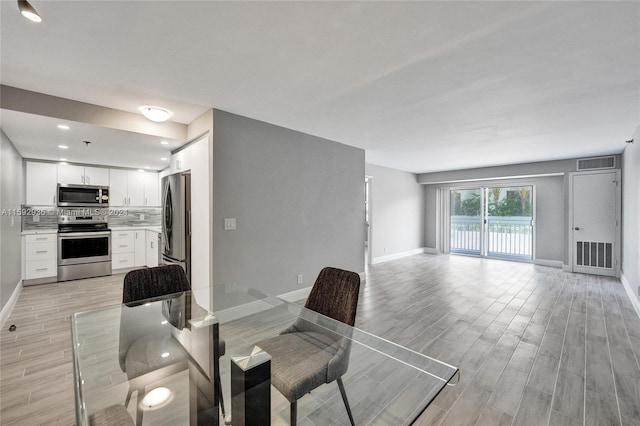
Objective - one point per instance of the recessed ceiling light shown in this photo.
(155, 113)
(63, 147)
(165, 354)
(63, 127)
(28, 11)
(140, 170)
(164, 143)
(164, 159)
(63, 159)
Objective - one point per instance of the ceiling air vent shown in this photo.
(597, 163)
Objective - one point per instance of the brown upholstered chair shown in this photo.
(150, 283)
(305, 356)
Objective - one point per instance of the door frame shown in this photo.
(369, 234)
(618, 233)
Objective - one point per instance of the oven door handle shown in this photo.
(69, 235)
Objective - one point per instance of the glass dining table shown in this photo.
(157, 362)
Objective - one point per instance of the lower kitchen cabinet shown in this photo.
(129, 249)
(152, 248)
(41, 258)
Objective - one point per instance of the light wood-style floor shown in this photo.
(535, 345)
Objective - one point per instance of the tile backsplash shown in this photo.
(36, 217)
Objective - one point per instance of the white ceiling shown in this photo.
(421, 86)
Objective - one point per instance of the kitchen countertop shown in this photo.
(157, 229)
(40, 231)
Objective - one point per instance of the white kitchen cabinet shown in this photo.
(41, 183)
(128, 248)
(151, 189)
(133, 188)
(140, 248)
(181, 160)
(122, 249)
(41, 258)
(96, 176)
(152, 248)
(118, 192)
(81, 175)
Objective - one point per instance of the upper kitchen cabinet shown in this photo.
(181, 161)
(134, 188)
(80, 175)
(41, 183)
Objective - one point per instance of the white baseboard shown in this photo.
(635, 300)
(295, 295)
(551, 263)
(566, 268)
(246, 309)
(8, 307)
(430, 250)
(395, 256)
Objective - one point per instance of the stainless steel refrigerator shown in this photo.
(176, 220)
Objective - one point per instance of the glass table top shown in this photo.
(125, 352)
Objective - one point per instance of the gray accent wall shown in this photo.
(298, 201)
(397, 211)
(631, 215)
(12, 187)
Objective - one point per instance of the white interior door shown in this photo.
(595, 211)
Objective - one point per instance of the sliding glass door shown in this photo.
(492, 221)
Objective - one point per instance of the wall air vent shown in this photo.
(597, 163)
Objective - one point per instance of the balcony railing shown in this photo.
(506, 236)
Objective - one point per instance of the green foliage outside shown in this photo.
(517, 202)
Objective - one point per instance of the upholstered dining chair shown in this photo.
(149, 283)
(305, 356)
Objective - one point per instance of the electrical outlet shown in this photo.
(300, 279)
(230, 288)
(229, 223)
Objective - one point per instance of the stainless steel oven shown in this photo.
(84, 247)
(82, 195)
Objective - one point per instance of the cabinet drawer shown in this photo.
(122, 245)
(41, 251)
(41, 238)
(122, 234)
(41, 269)
(122, 260)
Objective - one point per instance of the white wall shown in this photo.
(298, 201)
(12, 184)
(631, 217)
(397, 212)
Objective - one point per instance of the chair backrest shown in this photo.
(146, 283)
(335, 294)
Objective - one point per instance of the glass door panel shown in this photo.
(466, 213)
(509, 222)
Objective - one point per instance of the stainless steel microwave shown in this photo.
(82, 195)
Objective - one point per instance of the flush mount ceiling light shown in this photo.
(63, 147)
(157, 398)
(28, 11)
(164, 143)
(63, 127)
(155, 113)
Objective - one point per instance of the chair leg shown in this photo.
(294, 413)
(139, 412)
(126, 402)
(344, 398)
